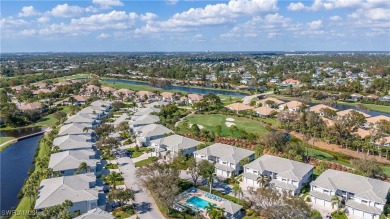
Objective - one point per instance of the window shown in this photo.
(326, 191)
(364, 201)
(255, 172)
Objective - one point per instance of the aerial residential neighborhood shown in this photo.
(176, 109)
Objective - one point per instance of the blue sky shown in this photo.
(194, 25)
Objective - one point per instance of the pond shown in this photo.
(182, 88)
(15, 161)
(16, 133)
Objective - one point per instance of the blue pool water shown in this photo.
(198, 202)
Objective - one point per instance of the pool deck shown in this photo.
(202, 196)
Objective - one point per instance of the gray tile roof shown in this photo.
(92, 109)
(363, 187)
(101, 103)
(68, 160)
(177, 142)
(146, 120)
(363, 207)
(71, 142)
(230, 207)
(75, 129)
(283, 167)
(96, 213)
(153, 130)
(75, 188)
(146, 111)
(79, 119)
(225, 152)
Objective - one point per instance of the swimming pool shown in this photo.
(198, 202)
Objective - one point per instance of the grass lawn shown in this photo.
(137, 153)
(210, 122)
(67, 78)
(129, 86)
(374, 107)
(5, 139)
(226, 99)
(49, 120)
(144, 162)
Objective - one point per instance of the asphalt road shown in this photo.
(145, 206)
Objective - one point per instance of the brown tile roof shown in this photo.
(195, 97)
(30, 106)
(276, 101)
(376, 119)
(345, 112)
(266, 111)
(317, 108)
(108, 89)
(167, 94)
(292, 104)
(239, 107)
(125, 91)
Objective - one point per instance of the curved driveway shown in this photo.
(145, 205)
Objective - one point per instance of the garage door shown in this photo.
(250, 182)
(367, 215)
(319, 201)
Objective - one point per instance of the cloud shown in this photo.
(335, 18)
(335, 4)
(107, 4)
(28, 11)
(43, 19)
(103, 36)
(172, 2)
(148, 16)
(314, 25)
(10, 22)
(28, 32)
(66, 10)
(91, 9)
(270, 25)
(198, 38)
(216, 14)
(296, 6)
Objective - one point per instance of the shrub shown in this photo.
(308, 199)
(249, 212)
(316, 215)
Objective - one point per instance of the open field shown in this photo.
(210, 122)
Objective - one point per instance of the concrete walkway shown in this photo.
(144, 203)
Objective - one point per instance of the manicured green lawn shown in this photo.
(210, 122)
(226, 99)
(5, 139)
(137, 153)
(49, 120)
(144, 162)
(129, 86)
(68, 77)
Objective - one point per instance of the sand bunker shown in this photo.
(230, 119)
(199, 126)
(229, 124)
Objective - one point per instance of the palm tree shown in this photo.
(56, 149)
(209, 174)
(29, 191)
(335, 201)
(214, 212)
(112, 178)
(72, 100)
(82, 167)
(85, 129)
(263, 180)
(237, 191)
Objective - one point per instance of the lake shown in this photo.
(16, 133)
(15, 162)
(181, 88)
